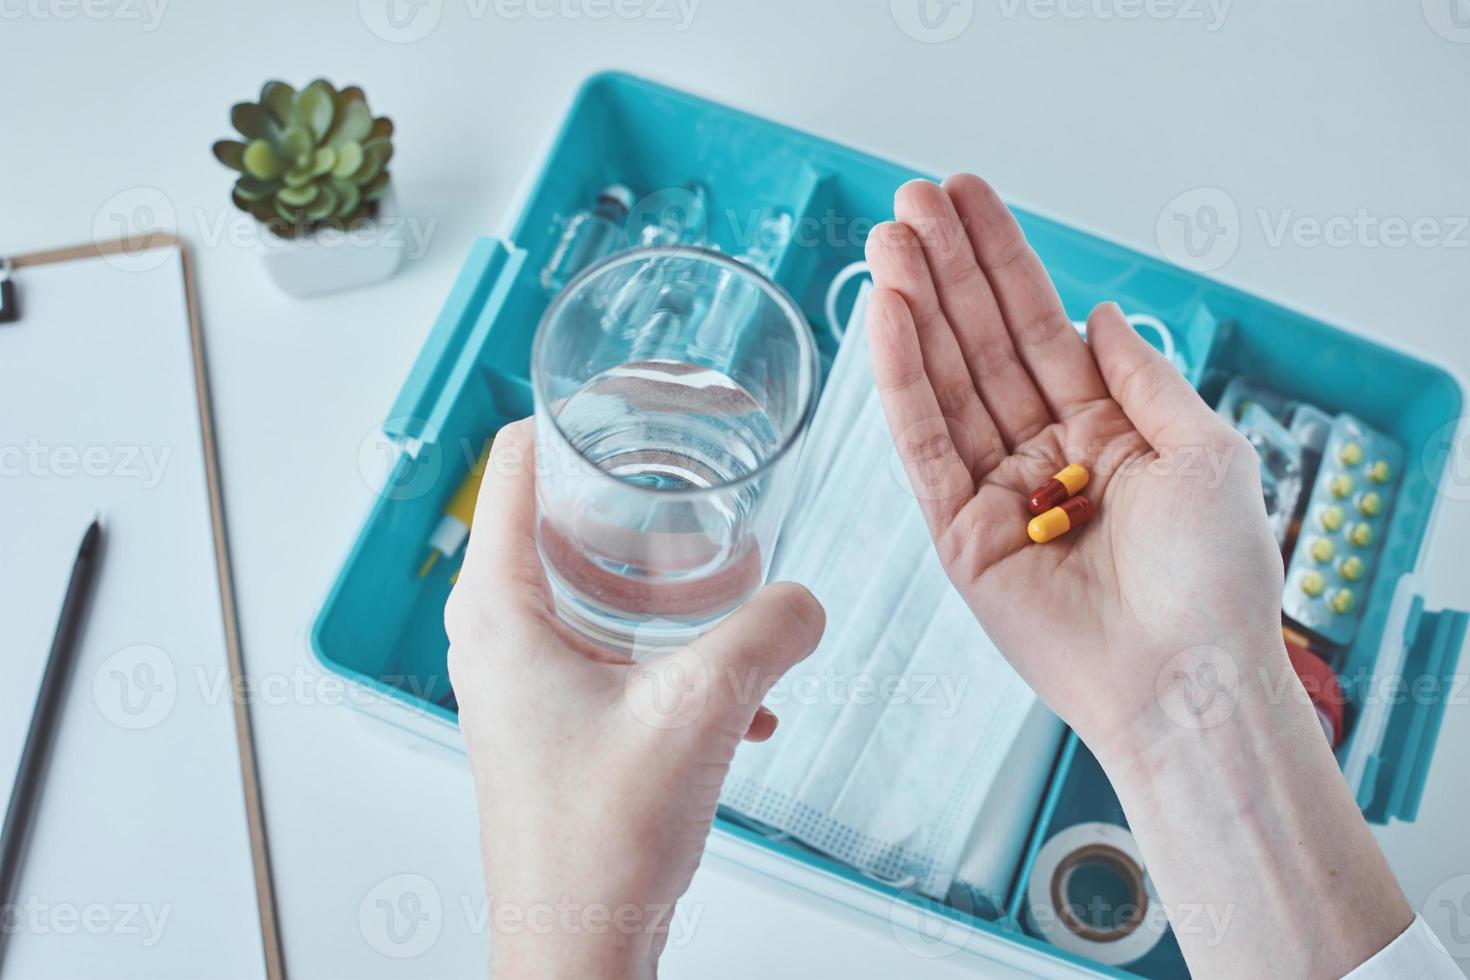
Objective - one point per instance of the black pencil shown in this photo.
(32, 769)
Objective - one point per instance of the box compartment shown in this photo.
(381, 625)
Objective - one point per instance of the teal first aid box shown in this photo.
(381, 625)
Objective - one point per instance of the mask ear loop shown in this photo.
(1153, 323)
(902, 883)
(844, 276)
(852, 270)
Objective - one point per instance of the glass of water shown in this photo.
(673, 386)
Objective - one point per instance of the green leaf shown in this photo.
(288, 213)
(382, 129)
(252, 121)
(381, 146)
(231, 153)
(316, 107)
(348, 197)
(324, 161)
(376, 187)
(262, 211)
(325, 203)
(374, 157)
(298, 178)
(280, 100)
(298, 144)
(252, 189)
(298, 197)
(349, 158)
(260, 160)
(354, 122)
(323, 85)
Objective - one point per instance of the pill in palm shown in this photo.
(1068, 482)
(1060, 519)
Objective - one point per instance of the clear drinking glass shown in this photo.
(673, 385)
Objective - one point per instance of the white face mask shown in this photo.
(895, 731)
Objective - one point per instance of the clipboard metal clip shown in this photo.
(9, 311)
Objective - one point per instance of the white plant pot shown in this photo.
(330, 260)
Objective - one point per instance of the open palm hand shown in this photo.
(989, 391)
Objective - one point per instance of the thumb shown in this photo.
(1160, 402)
(747, 653)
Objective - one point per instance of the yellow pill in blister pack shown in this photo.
(1342, 601)
(1313, 583)
(1341, 486)
(1331, 518)
(1361, 535)
(1352, 568)
(1371, 503)
(1322, 549)
(1351, 454)
(1380, 471)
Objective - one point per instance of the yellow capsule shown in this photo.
(1351, 454)
(1371, 504)
(1351, 568)
(1322, 549)
(1331, 518)
(1313, 583)
(1341, 485)
(1342, 601)
(1361, 534)
(1060, 519)
(1380, 472)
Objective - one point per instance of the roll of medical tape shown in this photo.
(1061, 916)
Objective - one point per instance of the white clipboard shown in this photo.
(148, 856)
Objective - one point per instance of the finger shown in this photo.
(750, 650)
(897, 261)
(763, 726)
(502, 538)
(1158, 400)
(938, 475)
(983, 349)
(1047, 343)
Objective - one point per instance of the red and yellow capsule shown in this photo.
(1060, 519)
(1068, 483)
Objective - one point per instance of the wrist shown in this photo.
(1235, 798)
(541, 930)
(1212, 710)
(553, 940)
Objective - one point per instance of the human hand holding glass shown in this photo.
(596, 778)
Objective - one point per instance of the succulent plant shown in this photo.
(310, 159)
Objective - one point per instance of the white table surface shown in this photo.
(1294, 109)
